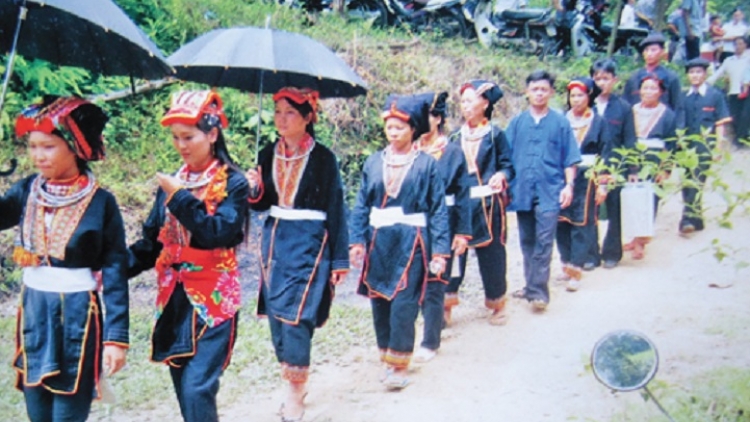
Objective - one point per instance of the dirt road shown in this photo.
(535, 368)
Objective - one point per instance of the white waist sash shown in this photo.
(450, 200)
(382, 217)
(293, 214)
(653, 143)
(481, 191)
(587, 160)
(59, 280)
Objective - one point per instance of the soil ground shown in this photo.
(536, 368)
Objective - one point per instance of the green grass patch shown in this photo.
(718, 395)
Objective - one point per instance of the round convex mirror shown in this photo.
(624, 360)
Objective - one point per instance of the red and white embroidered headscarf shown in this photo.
(194, 107)
(300, 96)
(74, 119)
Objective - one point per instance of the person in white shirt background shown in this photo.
(736, 27)
(734, 69)
(627, 18)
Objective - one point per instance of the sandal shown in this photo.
(424, 355)
(297, 419)
(395, 382)
(638, 251)
(385, 374)
(573, 272)
(519, 294)
(280, 412)
(499, 317)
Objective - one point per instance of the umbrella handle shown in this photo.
(13, 164)
(260, 119)
(260, 104)
(9, 68)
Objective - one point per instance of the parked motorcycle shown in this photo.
(532, 30)
(443, 16)
(363, 10)
(589, 34)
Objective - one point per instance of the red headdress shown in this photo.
(578, 84)
(190, 107)
(74, 119)
(300, 96)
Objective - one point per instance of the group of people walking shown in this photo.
(423, 200)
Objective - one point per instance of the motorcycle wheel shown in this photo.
(452, 24)
(369, 10)
(538, 44)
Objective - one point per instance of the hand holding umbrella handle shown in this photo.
(253, 178)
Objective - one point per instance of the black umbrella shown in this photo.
(262, 59)
(93, 34)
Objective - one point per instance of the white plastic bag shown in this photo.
(637, 210)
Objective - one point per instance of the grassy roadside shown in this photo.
(721, 394)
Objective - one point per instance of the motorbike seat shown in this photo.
(625, 32)
(523, 14)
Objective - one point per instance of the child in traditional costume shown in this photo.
(190, 238)
(576, 228)
(489, 170)
(70, 230)
(655, 129)
(452, 168)
(399, 223)
(305, 242)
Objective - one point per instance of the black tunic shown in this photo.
(98, 242)
(493, 156)
(298, 256)
(582, 208)
(619, 130)
(391, 249)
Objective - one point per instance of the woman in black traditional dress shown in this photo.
(190, 239)
(576, 229)
(71, 234)
(488, 172)
(399, 223)
(655, 129)
(304, 250)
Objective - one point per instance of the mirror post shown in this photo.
(663, 410)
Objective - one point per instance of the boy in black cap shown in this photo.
(705, 111)
(652, 49)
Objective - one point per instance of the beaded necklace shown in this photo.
(646, 118)
(53, 211)
(436, 148)
(580, 124)
(288, 167)
(471, 138)
(395, 168)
